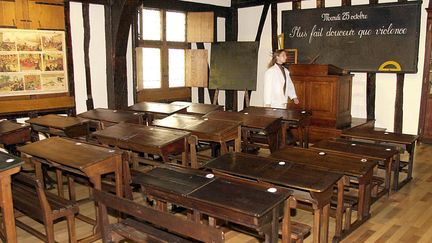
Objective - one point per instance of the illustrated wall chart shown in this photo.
(32, 62)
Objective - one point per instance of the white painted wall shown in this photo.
(248, 24)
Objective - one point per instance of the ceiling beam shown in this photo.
(253, 3)
(219, 11)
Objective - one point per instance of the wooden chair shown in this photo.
(149, 225)
(31, 199)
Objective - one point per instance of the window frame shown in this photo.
(164, 93)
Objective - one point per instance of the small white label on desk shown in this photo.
(78, 143)
(272, 190)
(111, 150)
(321, 153)
(388, 149)
(363, 160)
(246, 113)
(353, 144)
(210, 176)
(135, 113)
(114, 110)
(274, 109)
(10, 160)
(386, 133)
(303, 112)
(282, 163)
(205, 119)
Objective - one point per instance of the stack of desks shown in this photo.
(253, 206)
(290, 118)
(9, 165)
(406, 140)
(198, 108)
(385, 155)
(361, 169)
(317, 184)
(106, 117)
(13, 134)
(148, 139)
(154, 110)
(78, 158)
(251, 123)
(64, 126)
(210, 130)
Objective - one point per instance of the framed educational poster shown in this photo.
(32, 62)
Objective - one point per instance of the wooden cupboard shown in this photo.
(31, 14)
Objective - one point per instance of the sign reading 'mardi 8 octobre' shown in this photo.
(32, 62)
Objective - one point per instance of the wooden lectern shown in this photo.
(326, 91)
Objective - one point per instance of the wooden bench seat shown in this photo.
(30, 198)
(149, 224)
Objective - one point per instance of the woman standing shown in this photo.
(278, 86)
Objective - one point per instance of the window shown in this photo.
(160, 54)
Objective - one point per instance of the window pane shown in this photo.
(175, 26)
(151, 69)
(176, 67)
(151, 24)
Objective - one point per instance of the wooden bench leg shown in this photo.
(49, 229)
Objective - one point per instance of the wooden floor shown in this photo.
(405, 216)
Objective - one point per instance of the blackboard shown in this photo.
(233, 65)
(364, 38)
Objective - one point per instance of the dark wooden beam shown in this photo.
(262, 22)
(320, 3)
(186, 6)
(426, 75)
(274, 25)
(370, 95)
(86, 26)
(253, 3)
(100, 2)
(296, 5)
(398, 115)
(231, 34)
(69, 55)
(201, 90)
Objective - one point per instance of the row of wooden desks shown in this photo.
(9, 165)
(212, 130)
(148, 139)
(13, 134)
(77, 158)
(406, 140)
(290, 118)
(316, 183)
(220, 198)
(107, 117)
(56, 125)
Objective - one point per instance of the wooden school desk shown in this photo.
(9, 165)
(63, 126)
(149, 139)
(198, 108)
(362, 170)
(251, 123)
(392, 138)
(78, 158)
(107, 117)
(290, 118)
(249, 205)
(383, 154)
(317, 183)
(156, 110)
(206, 129)
(12, 134)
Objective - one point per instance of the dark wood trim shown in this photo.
(426, 69)
(231, 34)
(109, 55)
(296, 5)
(186, 6)
(69, 53)
(262, 21)
(201, 90)
(253, 3)
(134, 37)
(86, 26)
(100, 2)
(274, 25)
(320, 3)
(370, 95)
(398, 115)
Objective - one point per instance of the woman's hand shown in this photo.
(296, 101)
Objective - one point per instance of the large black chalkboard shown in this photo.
(364, 38)
(233, 65)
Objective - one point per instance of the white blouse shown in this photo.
(273, 88)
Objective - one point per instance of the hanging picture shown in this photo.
(32, 62)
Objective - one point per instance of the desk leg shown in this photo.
(339, 209)
(388, 168)
(237, 140)
(224, 148)
(59, 177)
(410, 148)
(396, 173)
(284, 134)
(316, 231)
(364, 197)
(7, 207)
(272, 235)
(38, 171)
